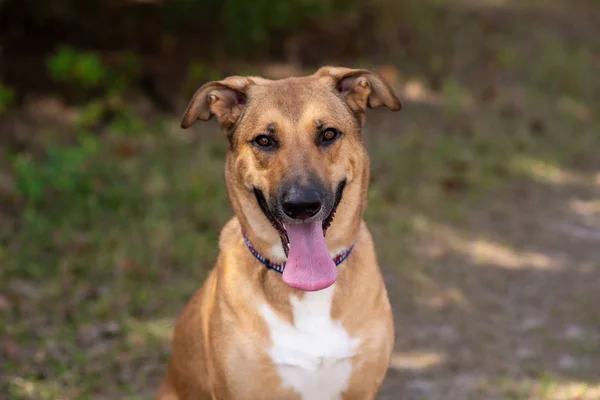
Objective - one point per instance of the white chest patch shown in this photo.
(314, 355)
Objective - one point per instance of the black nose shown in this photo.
(301, 202)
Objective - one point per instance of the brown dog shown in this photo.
(286, 313)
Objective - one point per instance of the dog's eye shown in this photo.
(329, 135)
(263, 141)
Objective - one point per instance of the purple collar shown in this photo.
(279, 267)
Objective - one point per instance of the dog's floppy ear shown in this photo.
(223, 99)
(362, 88)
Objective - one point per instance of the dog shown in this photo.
(296, 306)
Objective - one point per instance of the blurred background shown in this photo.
(484, 202)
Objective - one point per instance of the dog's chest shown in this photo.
(314, 355)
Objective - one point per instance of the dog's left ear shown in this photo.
(362, 88)
(223, 99)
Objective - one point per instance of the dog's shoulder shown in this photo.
(230, 233)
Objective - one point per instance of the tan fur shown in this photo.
(220, 341)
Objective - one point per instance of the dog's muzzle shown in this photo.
(298, 204)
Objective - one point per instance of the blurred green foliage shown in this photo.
(252, 22)
(81, 67)
(7, 96)
(85, 69)
(63, 170)
(199, 71)
(243, 25)
(98, 86)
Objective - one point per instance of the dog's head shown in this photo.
(296, 154)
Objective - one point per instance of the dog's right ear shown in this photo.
(223, 99)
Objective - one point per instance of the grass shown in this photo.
(111, 234)
(96, 251)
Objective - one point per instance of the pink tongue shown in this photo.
(309, 266)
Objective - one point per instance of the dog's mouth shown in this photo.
(278, 224)
(309, 266)
(262, 203)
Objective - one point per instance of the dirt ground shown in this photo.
(505, 303)
(484, 205)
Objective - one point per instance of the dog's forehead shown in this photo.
(294, 97)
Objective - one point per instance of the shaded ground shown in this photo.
(504, 303)
(485, 206)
